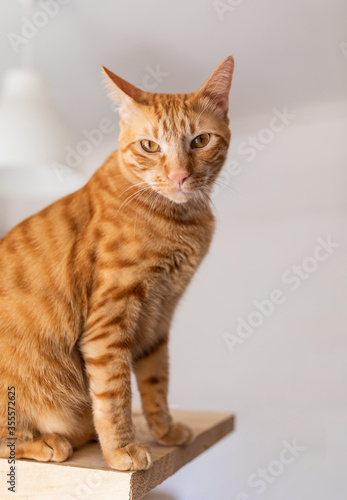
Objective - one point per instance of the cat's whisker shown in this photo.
(138, 195)
(133, 185)
(127, 200)
(225, 186)
(203, 197)
(139, 202)
(210, 201)
(144, 201)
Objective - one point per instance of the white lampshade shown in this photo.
(32, 131)
(33, 137)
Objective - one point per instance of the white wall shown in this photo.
(287, 380)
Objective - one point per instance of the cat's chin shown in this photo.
(178, 196)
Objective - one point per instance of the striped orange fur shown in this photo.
(89, 285)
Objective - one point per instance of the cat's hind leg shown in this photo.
(44, 447)
(152, 378)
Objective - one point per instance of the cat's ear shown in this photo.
(217, 86)
(122, 91)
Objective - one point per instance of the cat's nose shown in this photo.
(178, 177)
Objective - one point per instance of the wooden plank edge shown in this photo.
(144, 481)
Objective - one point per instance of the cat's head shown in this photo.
(175, 143)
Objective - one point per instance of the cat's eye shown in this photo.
(149, 146)
(201, 141)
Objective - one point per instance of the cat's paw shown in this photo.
(60, 446)
(134, 456)
(178, 434)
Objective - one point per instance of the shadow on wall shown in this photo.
(153, 495)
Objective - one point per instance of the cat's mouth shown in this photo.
(178, 195)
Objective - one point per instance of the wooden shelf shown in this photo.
(86, 474)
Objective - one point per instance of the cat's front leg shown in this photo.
(106, 348)
(152, 374)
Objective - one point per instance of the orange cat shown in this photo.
(88, 286)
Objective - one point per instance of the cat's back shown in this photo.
(35, 282)
(45, 237)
